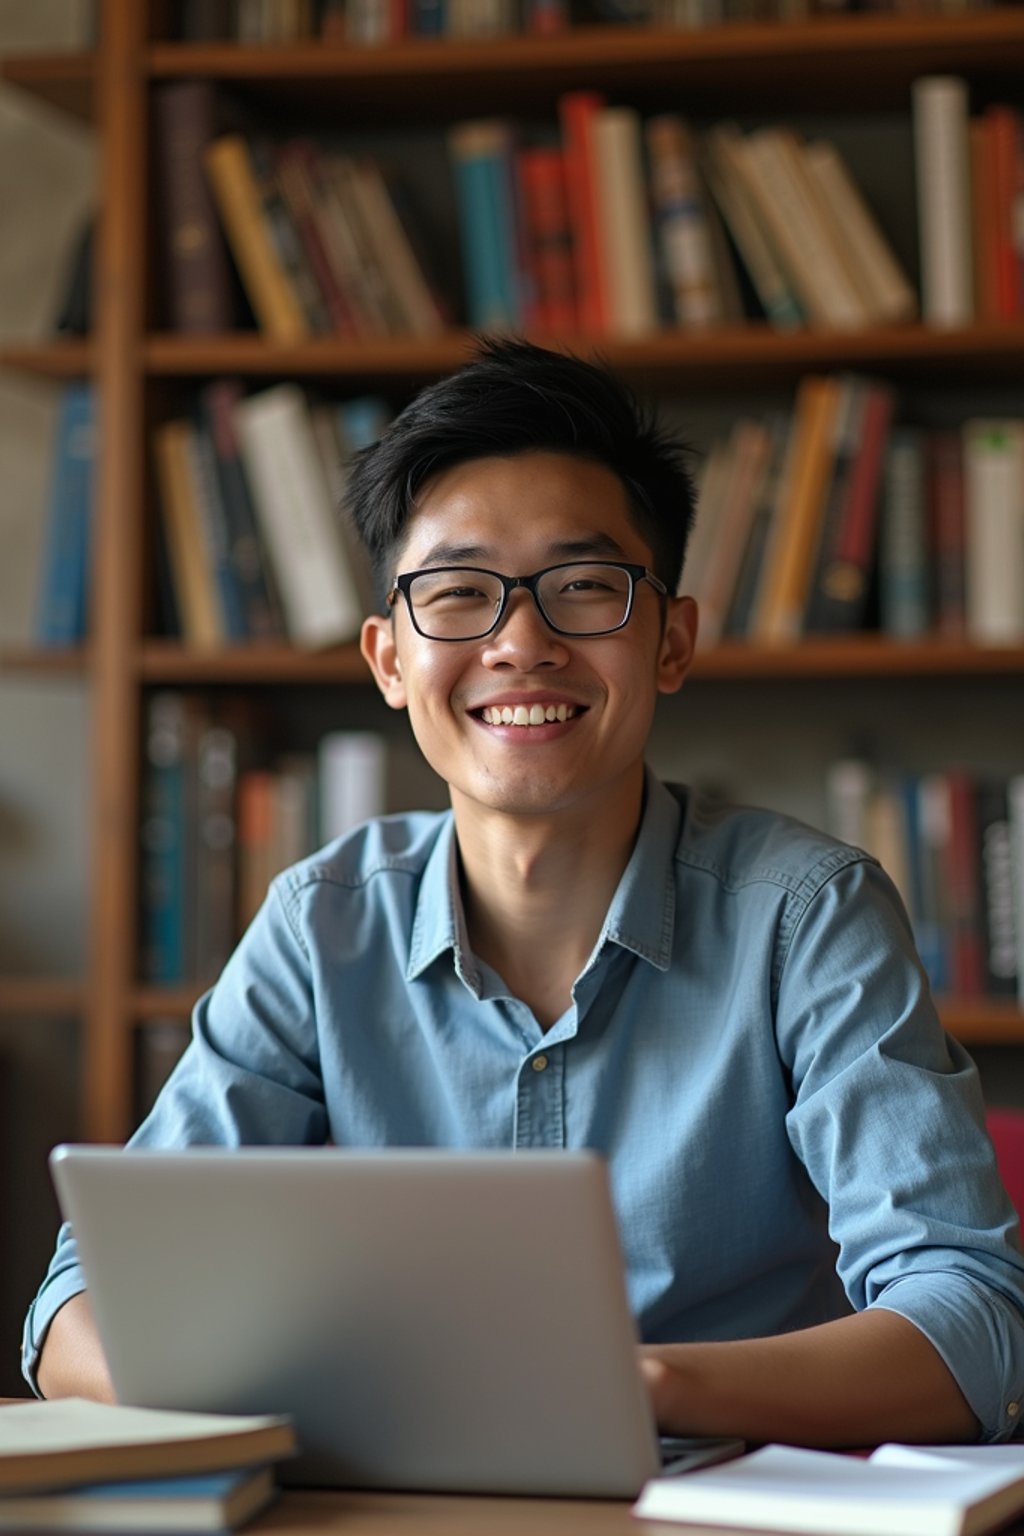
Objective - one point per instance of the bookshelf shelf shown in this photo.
(170, 663)
(34, 997)
(820, 62)
(63, 80)
(58, 661)
(49, 359)
(872, 656)
(712, 359)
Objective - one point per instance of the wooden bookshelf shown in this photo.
(855, 63)
(40, 997)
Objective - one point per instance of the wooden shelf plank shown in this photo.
(167, 661)
(752, 354)
(58, 661)
(56, 359)
(63, 80)
(819, 62)
(38, 996)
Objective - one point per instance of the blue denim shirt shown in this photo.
(751, 1045)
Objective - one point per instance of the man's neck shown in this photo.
(536, 892)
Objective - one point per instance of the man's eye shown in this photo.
(454, 594)
(586, 584)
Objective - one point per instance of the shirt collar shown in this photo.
(643, 910)
(641, 917)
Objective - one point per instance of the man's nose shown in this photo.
(523, 637)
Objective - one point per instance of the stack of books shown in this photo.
(70, 1464)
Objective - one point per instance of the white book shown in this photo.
(994, 530)
(944, 216)
(868, 252)
(899, 1490)
(297, 520)
(849, 788)
(624, 222)
(352, 773)
(793, 218)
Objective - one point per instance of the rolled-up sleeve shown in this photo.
(888, 1119)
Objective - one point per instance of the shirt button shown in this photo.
(539, 1063)
(1013, 1409)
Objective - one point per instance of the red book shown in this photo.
(577, 110)
(966, 950)
(983, 218)
(296, 166)
(549, 247)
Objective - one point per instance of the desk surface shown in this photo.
(309, 1512)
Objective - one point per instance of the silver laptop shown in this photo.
(430, 1319)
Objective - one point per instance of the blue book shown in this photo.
(903, 576)
(63, 599)
(216, 1501)
(163, 834)
(481, 154)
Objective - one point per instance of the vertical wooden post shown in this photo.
(122, 119)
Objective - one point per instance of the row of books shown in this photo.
(970, 187)
(218, 824)
(612, 225)
(386, 21)
(254, 543)
(75, 1465)
(324, 242)
(627, 225)
(834, 518)
(953, 843)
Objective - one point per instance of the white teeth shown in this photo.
(521, 714)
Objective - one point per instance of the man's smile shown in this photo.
(527, 714)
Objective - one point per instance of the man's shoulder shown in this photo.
(397, 847)
(742, 845)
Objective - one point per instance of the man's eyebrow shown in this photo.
(589, 545)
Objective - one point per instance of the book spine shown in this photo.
(848, 436)
(994, 530)
(684, 233)
(966, 952)
(213, 521)
(422, 313)
(727, 178)
(624, 223)
(750, 456)
(577, 111)
(195, 591)
(1002, 126)
(995, 881)
(293, 168)
(240, 202)
(794, 541)
(479, 152)
(857, 234)
(549, 238)
(947, 532)
(933, 831)
(162, 837)
(214, 935)
(942, 165)
(352, 771)
(199, 275)
(295, 516)
(261, 608)
(63, 603)
(902, 554)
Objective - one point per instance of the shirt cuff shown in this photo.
(978, 1333)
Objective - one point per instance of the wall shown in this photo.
(46, 177)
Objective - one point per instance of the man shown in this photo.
(724, 1003)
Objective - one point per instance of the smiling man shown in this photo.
(724, 1003)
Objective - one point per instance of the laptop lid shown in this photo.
(430, 1319)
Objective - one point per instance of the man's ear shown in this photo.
(377, 643)
(678, 642)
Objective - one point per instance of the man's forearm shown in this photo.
(853, 1382)
(72, 1363)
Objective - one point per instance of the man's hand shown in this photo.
(72, 1363)
(854, 1382)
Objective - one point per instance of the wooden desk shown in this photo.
(310, 1512)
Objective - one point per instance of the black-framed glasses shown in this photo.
(579, 597)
